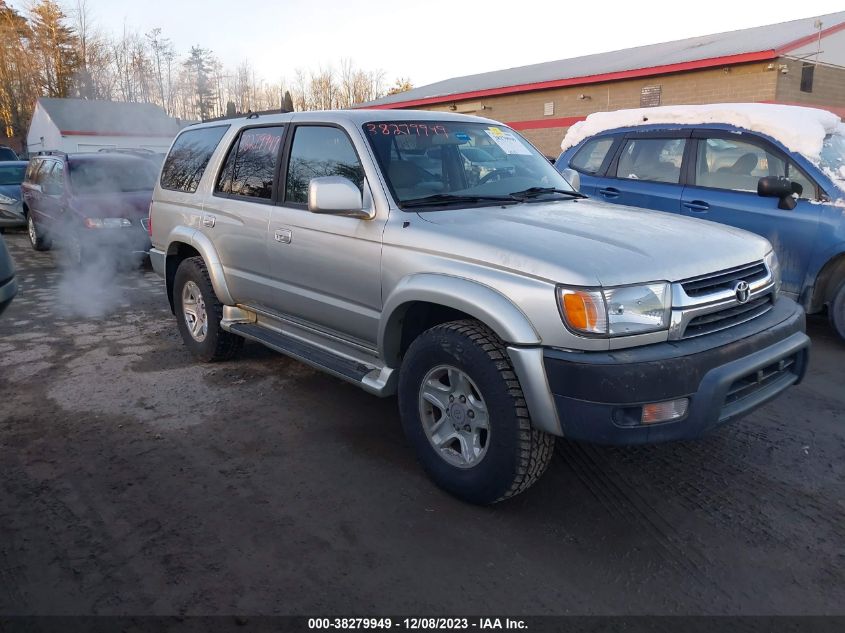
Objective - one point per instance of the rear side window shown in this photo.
(652, 159)
(590, 157)
(7, 154)
(320, 151)
(188, 158)
(250, 167)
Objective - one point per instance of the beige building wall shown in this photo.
(828, 85)
(745, 82)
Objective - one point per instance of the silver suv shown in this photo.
(502, 306)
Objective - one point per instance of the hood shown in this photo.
(132, 205)
(13, 191)
(591, 243)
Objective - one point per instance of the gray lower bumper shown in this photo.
(157, 261)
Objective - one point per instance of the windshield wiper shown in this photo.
(449, 198)
(533, 192)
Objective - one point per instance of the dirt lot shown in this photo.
(135, 481)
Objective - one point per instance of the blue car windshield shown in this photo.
(833, 156)
(11, 174)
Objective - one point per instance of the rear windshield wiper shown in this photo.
(449, 198)
(533, 192)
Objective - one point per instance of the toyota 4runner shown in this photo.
(502, 306)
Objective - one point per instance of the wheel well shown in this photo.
(827, 282)
(420, 316)
(177, 252)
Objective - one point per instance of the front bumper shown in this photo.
(725, 375)
(11, 215)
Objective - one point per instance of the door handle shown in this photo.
(208, 221)
(283, 236)
(698, 206)
(609, 192)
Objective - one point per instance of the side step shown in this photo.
(379, 381)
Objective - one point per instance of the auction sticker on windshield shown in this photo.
(507, 141)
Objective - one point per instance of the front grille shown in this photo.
(729, 317)
(725, 280)
(760, 379)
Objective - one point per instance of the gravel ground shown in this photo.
(135, 481)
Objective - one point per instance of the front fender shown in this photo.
(204, 246)
(475, 299)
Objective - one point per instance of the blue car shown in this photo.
(775, 170)
(11, 205)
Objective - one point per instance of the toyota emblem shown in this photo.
(743, 291)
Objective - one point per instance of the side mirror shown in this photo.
(779, 187)
(572, 177)
(336, 195)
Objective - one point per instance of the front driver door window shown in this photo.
(727, 171)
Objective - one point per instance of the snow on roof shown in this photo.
(109, 117)
(761, 39)
(799, 129)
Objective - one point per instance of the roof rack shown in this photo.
(248, 115)
(127, 150)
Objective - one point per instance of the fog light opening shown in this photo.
(665, 411)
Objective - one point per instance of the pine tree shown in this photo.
(54, 44)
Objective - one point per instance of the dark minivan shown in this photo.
(89, 203)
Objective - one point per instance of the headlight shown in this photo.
(774, 267)
(6, 199)
(616, 311)
(107, 223)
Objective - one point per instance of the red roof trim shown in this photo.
(538, 124)
(809, 39)
(84, 133)
(588, 79)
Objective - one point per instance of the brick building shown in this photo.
(797, 62)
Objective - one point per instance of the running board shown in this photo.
(380, 381)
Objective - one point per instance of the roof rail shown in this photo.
(127, 150)
(245, 115)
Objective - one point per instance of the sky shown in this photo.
(427, 40)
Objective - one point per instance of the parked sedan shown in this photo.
(776, 170)
(8, 285)
(11, 205)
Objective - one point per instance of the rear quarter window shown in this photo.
(185, 164)
(590, 157)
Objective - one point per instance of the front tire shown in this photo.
(37, 240)
(198, 314)
(464, 413)
(836, 311)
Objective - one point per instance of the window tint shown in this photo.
(734, 165)
(188, 158)
(590, 157)
(320, 151)
(7, 153)
(11, 174)
(796, 175)
(654, 159)
(56, 176)
(250, 168)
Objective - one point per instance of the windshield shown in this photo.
(833, 156)
(12, 174)
(451, 162)
(112, 176)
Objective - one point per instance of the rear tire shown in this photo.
(37, 240)
(198, 314)
(464, 413)
(836, 311)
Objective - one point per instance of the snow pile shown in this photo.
(799, 129)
